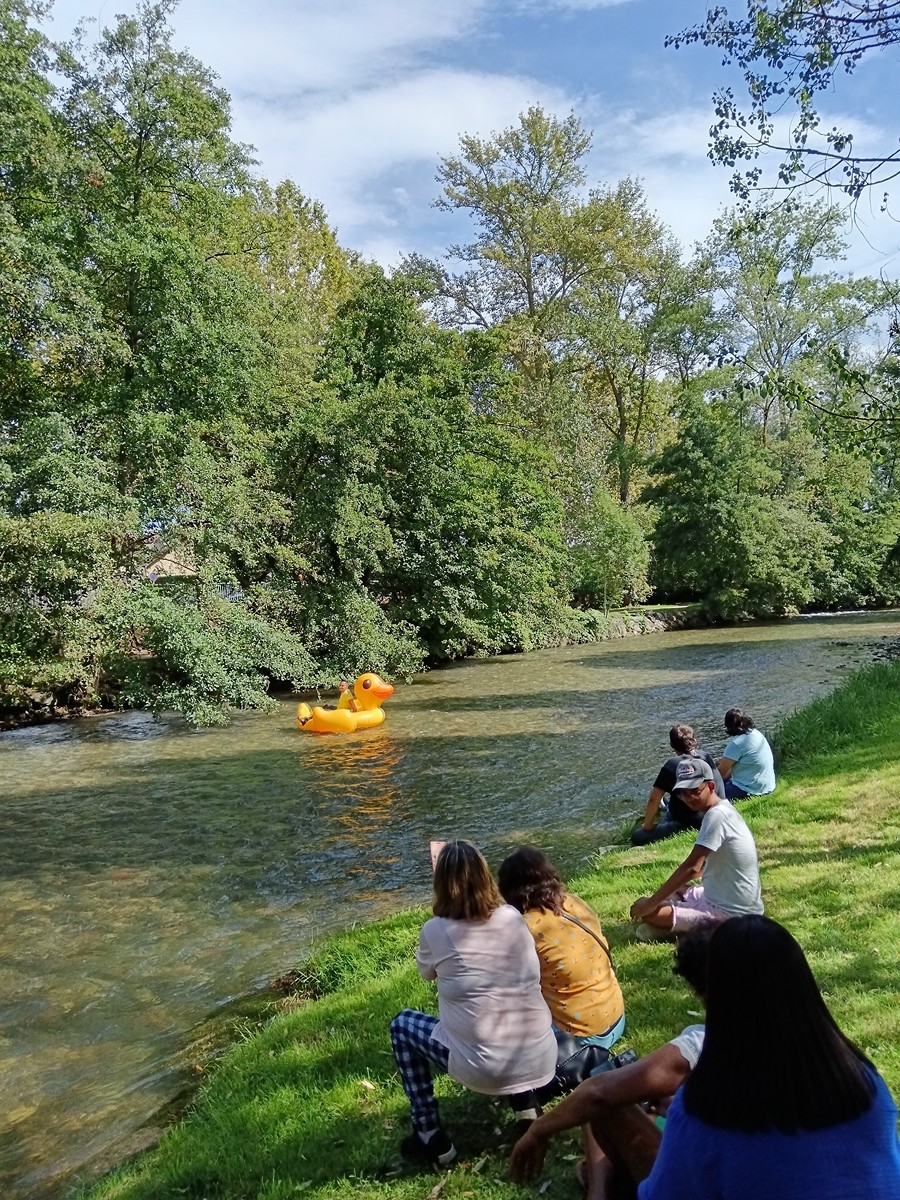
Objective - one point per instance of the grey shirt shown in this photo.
(731, 874)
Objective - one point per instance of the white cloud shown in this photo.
(356, 100)
(544, 6)
(681, 134)
(350, 152)
(295, 47)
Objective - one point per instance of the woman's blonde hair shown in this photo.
(464, 887)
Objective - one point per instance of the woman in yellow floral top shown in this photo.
(577, 977)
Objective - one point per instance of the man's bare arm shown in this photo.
(652, 1078)
(653, 802)
(691, 868)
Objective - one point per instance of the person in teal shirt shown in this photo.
(747, 765)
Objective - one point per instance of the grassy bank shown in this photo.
(311, 1105)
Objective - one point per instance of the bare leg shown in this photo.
(598, 1170)
(629, 1140)
(663, 918)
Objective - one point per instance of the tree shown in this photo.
(633, 338)
(556, 285)
(785, 314)
(538, 236)
(427, 529)
(522, 187)
(790, 51)
(48, 320)
(610, 555)
(134, 373)
(732, 529)
(291, 254)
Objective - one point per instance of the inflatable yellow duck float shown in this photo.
(360, 709)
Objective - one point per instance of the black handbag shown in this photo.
(575, 1061)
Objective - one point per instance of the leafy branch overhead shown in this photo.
(792, 53)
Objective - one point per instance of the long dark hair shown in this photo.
(773, 1056)
(528, 879)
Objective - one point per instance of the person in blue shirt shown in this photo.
(781, 1104)
(747, 764)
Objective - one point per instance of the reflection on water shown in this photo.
(149, 872)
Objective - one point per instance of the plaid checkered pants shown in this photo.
(415, 1049)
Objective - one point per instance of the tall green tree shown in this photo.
(786, 306)
(732, 529)
(538, 235)
(635, 334)
(428, 531)
(128, 431)
(553, 276)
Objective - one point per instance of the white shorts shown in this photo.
(691, 910)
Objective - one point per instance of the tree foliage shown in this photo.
(233, 454)
(790, 52)
(787, 310)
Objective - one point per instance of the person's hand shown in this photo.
(528, 1154)
(642, 908)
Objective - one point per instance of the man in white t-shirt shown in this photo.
(724, 856)
(622, 1139)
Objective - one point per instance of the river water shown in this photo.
(149, 873)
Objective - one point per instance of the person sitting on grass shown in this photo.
(747, 764)
(724, 855)
(577, 976)
(781, 1104)
(678, 817)
(494, 1032)
(621, 1139)
(578, 980)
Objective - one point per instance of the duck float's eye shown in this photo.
(367, 683)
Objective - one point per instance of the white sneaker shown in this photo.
(650, 933)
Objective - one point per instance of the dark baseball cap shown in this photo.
(690, 772)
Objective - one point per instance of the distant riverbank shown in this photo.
(311, 1105)
(42, 708)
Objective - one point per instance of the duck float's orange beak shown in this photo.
(370, 689)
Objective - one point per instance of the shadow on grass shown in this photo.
(310, 1101)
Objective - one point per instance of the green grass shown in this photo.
(310, 1106)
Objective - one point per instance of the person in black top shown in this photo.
(675, 815)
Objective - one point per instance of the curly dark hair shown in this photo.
(682, 739)
(528, 879)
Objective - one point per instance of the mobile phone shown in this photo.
(435, 848)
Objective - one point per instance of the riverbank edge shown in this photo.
(619, 623)
(310, 1103)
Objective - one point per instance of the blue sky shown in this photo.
(356, 100)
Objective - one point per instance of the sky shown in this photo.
(357, 100)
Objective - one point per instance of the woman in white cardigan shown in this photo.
(494, 1032)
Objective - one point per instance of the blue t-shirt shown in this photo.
(754, 766)
(859, 1160)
